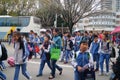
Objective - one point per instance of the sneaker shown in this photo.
(61, 72)
(51, 77)
(30, 78)
(38, 75)
(101, 74)
(96, 70)
(65, 62)
(107, 74)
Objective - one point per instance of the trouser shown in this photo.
(102, 58)
(54, 66)
(85, 75)
(2, 76)
(62, 56)
(96, 58)
(42, 66)
(68, 54)
(24, 71)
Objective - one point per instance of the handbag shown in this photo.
(37, 49)
(55, 53)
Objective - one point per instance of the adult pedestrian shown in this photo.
(55, 43)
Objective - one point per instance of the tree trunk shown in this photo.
(70, 27)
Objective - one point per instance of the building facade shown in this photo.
(108, 18)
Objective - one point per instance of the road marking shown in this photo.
(65, 66)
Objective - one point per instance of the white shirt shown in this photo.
(0, 50)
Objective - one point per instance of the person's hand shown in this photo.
(79, 68)
(52, 42)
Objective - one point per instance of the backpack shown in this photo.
(88, 54)
(4, 53)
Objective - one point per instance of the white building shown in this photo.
(107, 20)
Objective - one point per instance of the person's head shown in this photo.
(86, 33)
(78, 33)
(95, 38)
(68, 36)
(104, 37)
(31, 32)
(11, 31)
(35, 34)
(48, 32)
(83, 46)
(46, 38)
(90, 33)
(55, 31)
(102, 31)
(16, 36)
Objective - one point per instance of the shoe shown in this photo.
(61, 72)
(96, 70)
(65, 62)
(30, 78)
(51, 77)
(38, 75)
(101, 74)
(106, 74)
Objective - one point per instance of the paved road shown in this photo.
(33, 67)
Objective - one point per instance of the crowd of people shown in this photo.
(85, 51)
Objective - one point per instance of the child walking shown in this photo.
(45, 56)
(83, 62)
(20, 57)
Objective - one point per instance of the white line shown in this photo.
(66, 66)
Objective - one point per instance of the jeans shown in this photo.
(2, 76)
(54, 66)
(96, 58)
(68, 54)
(24, 71)
(42, 66)
(78, 75)
(102, 58)
(62, 55)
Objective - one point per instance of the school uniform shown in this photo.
(83, 60)
(45, 58)
(68, 51)
(94, 48)
(78, 39)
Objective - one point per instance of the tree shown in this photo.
(74, 10)
(4, 4)
(47, 13)
(17, 7)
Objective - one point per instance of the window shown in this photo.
(36, 20)
(14, 21)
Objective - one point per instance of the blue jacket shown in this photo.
(57, 42)
(82, 59)
(94, 47)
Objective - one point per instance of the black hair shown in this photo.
(20, 40)
(68, 35)
(95, 36)
(83, 41)
(56, 30)
(47, 36)
(31, 30)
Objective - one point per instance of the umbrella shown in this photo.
(42, 30)
(116, 30)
